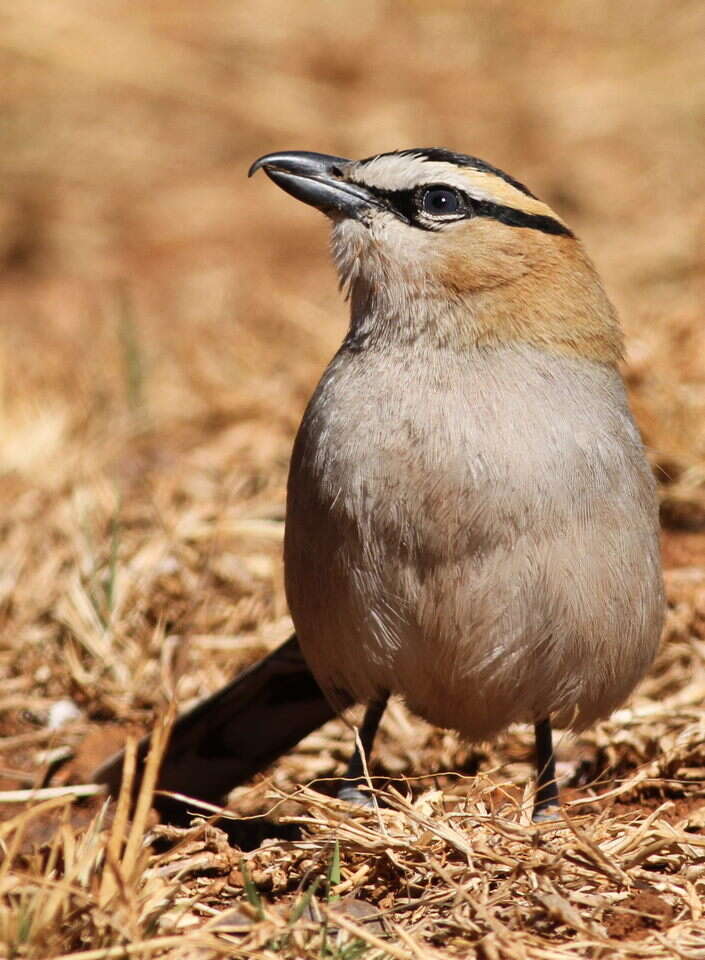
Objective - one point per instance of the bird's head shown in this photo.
(435, 243)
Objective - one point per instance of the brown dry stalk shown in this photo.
(113, 848)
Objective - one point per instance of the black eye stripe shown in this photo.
(404, 203)
(518, 218)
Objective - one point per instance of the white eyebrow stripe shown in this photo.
(406, 171)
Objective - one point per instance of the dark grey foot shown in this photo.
(547, 814)
(352, 794)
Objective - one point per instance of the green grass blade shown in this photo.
(251, 891)
(303, 902)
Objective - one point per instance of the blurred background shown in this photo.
(163, 318)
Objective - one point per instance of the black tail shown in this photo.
(238, 731)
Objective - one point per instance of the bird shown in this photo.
(471, 521)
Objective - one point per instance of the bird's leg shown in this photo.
(354, 775)
(546, 800)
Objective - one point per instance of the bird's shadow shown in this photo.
(249, 834)
(245, 834)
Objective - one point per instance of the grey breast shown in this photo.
(452, 518)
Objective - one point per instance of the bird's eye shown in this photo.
(441, 201)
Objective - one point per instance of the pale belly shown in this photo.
(479, 537)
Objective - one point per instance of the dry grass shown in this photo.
(163, 320)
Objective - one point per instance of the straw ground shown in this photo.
(163, 320)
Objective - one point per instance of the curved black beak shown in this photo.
(317, 179)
